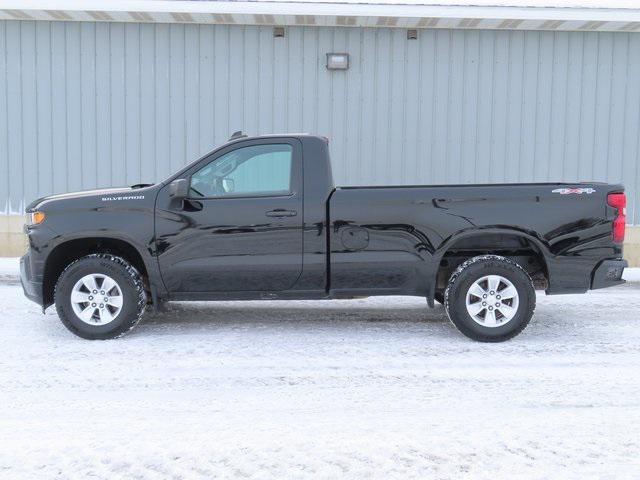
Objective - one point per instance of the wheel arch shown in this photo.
(507, 242)
(72, 249)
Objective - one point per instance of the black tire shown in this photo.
(466, 275)
(129, 280)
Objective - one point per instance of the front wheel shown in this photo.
(490, 298)
(100, 296)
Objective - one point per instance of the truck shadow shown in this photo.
(402, 315)
(265, 313)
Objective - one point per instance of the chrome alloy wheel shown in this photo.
(96, 299)
(492, 301)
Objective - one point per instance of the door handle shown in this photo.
(281, 212)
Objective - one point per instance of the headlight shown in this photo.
(36, 218)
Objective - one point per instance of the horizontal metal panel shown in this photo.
(87, 105)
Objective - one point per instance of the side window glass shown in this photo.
(258, 170)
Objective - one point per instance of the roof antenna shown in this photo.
(237, 135)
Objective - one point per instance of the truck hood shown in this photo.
(107, 193)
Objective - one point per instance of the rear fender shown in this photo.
(467, 234)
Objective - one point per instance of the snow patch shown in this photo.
(10, 210)
(373, 388)
(9, 268)
(631, 274)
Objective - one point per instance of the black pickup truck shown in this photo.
(260, 218)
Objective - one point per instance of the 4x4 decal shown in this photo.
(576, 191)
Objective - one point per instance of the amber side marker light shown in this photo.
(37, 218)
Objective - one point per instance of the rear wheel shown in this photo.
(490, 298)
(100, 296)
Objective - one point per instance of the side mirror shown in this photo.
(179, 188)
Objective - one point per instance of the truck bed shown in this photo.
(400, 234)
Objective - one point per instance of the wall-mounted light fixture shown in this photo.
(412, 34)
(337, 61)
(278, 32)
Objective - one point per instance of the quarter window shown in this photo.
(258, 170)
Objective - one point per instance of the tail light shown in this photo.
(619, 202)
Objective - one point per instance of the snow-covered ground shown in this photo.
(379, 388)
(9, 269)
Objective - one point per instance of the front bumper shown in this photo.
(608, 274)
(31, 287)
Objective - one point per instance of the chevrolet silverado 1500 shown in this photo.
(260, 218)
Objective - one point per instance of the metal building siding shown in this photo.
(86, 105)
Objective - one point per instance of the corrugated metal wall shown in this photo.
(96, 104)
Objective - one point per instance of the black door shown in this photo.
(240, 229)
